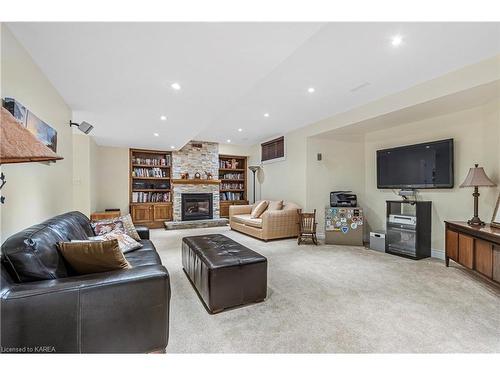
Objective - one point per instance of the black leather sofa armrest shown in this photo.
(143, 232)
(95, 313)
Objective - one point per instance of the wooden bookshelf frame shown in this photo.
(242, 168)
(151, 214)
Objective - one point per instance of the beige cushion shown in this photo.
(259, 209)
(93, 256)
(275, 205)
(247, 220)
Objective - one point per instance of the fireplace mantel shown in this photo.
(194, 181)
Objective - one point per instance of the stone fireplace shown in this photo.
(195, 157)
(196, 206)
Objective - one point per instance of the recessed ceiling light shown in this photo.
(163, 118)
(175, 86)
(156, 134)
(172, 147)
(266, 114)
(396, 40)
(228, 141)
(240, 130)
(311, 90)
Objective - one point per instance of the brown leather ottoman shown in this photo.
(224, 273)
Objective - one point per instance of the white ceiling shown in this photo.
(117, 76)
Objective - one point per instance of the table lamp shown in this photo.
(475, 178)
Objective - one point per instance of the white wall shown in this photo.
(341, 168)
(112, 182)
(34, 191)
(84, 173)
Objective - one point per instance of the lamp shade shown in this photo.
(254, 168)
(19, 145)
(477, 177)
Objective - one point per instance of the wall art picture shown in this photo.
(41, 130)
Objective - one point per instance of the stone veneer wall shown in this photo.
(192, 159)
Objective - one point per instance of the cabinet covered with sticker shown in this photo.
(344, 226)
(409, 228)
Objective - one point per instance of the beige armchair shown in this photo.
(270, 225)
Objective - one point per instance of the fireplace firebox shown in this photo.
(197, 206)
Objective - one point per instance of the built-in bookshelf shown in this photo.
(150, 186)
(233, 185)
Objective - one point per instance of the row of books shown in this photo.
(149, 172)
(153, 161)
(232, 176)
(231, 196)
(143, 197)
(231, 164)
(231, 186)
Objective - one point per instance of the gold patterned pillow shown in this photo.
(122, 223)
(125, 242)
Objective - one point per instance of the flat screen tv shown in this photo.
(421, 166)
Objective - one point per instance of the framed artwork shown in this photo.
(40, 129)
(495, 221)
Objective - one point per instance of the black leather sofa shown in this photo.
(46, 307)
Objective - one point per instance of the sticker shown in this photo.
(342, 210)
(334, 211)
(336, 229)
(360, 222)
(349, 216)
(338, 224)
(354, 219)
(354, 226)
(345, 229)
(343, 220)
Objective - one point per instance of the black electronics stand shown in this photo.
(409, 227)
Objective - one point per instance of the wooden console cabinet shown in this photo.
(476, 248)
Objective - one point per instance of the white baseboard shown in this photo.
(438, 254)
(435, 253)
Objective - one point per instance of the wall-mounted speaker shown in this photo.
(319, 156)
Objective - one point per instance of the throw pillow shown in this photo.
(275, 205)
(123, 223)
(105, 226)
(125, 242)
(93, 256)
(259, 209)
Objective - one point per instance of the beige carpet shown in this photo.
(336, 299)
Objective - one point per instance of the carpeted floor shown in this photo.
(336, 299)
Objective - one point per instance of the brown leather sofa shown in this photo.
(46, 307)
(272, 224)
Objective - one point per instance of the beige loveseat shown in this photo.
(270, 225)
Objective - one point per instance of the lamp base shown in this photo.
(476, 221)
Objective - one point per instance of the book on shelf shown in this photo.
(159, 161)
(232, 176)
(231, 186)
(231, 196)
(149, 172)
(149, 197)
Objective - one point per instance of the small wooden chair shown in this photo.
(307, 226)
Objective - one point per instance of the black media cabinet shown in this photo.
(409, 226)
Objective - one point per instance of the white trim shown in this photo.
(437, 253)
